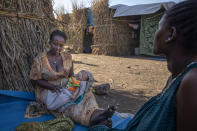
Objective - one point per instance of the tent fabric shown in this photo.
(90, 17)
(117, 6)
(143, 9)
(149, 25)
(13, 106)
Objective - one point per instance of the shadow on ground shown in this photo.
(80, 62)
(145, 57)
(125, 102)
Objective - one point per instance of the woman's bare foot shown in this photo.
(107, 123)
(102, 117)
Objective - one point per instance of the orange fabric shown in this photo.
(75, 81)
(73, 84)
(72, 89)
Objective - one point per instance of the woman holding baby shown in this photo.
(62, 92)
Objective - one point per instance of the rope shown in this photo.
(13, 13)
(137, 20)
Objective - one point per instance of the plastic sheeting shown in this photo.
(90, 17)
(143, 9)
(149, 25)
(13, 106)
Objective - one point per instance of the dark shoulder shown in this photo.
(188, 85)
(190, 77)
(186, 102)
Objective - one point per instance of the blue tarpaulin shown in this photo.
(13, 105)
(90, 17)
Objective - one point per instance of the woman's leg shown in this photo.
(87, 112)
(102, 117)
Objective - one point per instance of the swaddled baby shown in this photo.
(75, 87)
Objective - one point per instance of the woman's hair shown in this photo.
(183, 16)
(58, 33)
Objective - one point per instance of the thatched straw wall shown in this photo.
(110, 37)
(24, 31)
(102, 38)
(113, 39)
(75, 29)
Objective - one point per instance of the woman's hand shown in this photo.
(44, 84)
(56, 89)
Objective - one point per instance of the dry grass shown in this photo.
(102, 31)
(75, 29)
(21, 39)
(110, 37)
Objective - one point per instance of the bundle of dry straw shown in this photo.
(24, 31)
(75, 29)
(103, 40)
(110, 37)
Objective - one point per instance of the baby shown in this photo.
(76, 86)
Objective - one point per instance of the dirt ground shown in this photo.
(133, 80)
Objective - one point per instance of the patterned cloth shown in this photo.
(35, 110)
(159, 113)
(149, 25)
(72, 84)
(41, 69)
(81, 112)
(58, 124)
(90, 29)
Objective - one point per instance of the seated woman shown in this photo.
(51, 71)
(175, 108)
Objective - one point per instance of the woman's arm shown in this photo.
(187, 103)
(44, 84)
(71, 73)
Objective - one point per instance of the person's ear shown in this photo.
(172, 35)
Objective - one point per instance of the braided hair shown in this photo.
(58, 33)
(183, 16)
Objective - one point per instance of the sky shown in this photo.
(67, 4)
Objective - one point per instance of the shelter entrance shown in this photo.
(87, 42)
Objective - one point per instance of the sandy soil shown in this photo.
(133, 80)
